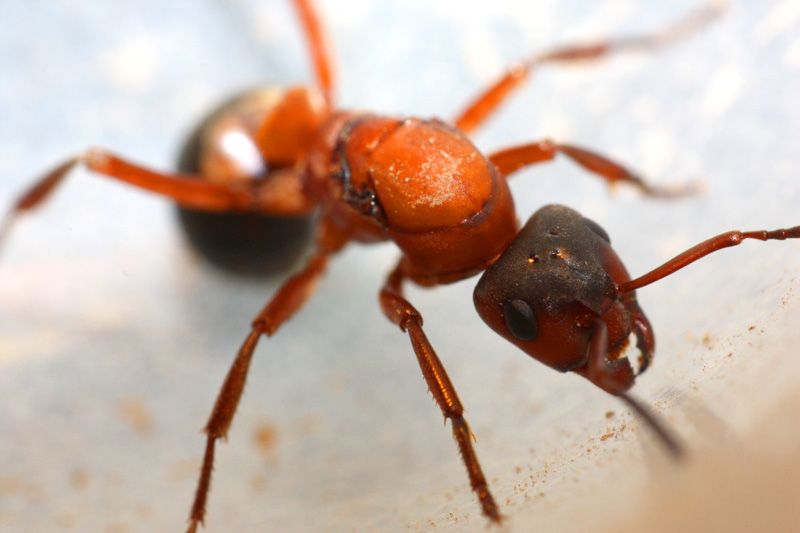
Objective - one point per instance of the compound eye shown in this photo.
(596, 229)
(520, 320)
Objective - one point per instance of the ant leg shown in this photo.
(284, 304)
(616, 377)
(317, 43)
(280, 197)
(724, 240)
(402, 313)
(512, 159)
(488, 102)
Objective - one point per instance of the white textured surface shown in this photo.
(114, 340)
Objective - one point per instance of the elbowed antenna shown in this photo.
(714, 244)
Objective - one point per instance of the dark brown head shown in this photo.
(548, 289)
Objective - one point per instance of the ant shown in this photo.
(554, 287)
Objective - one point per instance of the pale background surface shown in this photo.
(114, 338)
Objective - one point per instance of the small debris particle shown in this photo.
(185, 469)
(144, 511)
(265, 438)
(67, 520)
(10, 485)
(136, 414)
(79, 478)
(707, 340)
(258, 483)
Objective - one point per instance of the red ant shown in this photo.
(555, 288)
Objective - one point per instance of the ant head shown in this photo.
(551, 285)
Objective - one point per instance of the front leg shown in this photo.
(402, 313)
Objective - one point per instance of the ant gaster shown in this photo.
(554, 288)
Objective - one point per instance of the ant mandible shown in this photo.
(555, 287)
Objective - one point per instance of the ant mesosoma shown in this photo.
(555, 287)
